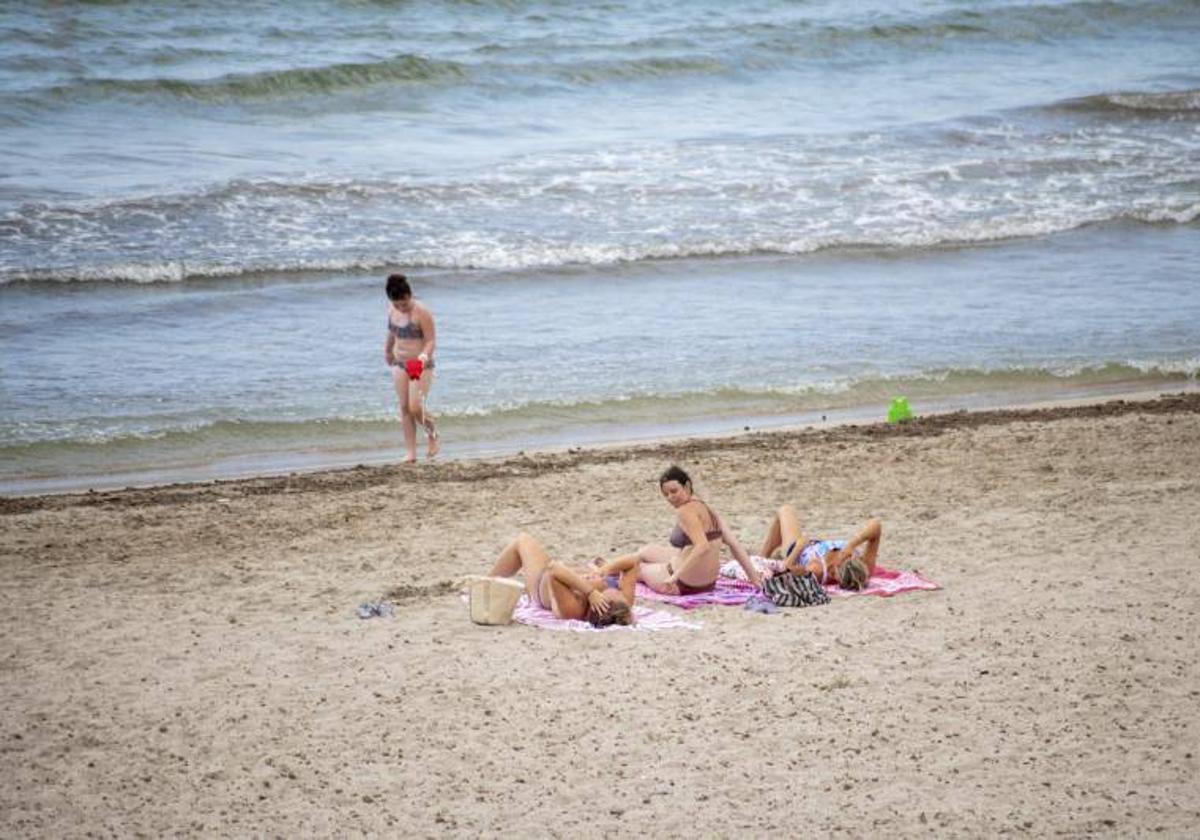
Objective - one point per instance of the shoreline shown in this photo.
(209, 474)
(122, 431)
(534, 462)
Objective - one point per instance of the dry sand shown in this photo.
(186, 660)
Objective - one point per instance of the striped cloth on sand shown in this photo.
(647, 619)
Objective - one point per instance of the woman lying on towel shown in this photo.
(577, 595)
(848, 563)
(692, 562)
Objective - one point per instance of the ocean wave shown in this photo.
(592, 72)
(752, 40)
(1170, 102)
(959, 183)
(1015, 23)
(179, 271)
(291, 83)
(301, 82)
(527, 254)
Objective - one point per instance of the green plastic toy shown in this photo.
(899, 411)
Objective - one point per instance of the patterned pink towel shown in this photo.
(728, 593)
(647, 619)
(885, 583)
(733, 590)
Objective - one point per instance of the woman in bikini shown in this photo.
(692, 561)
(411, 338)
(848, 563)
(579, 595)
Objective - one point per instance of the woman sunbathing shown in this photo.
(692, 562)
(848, 563)
(598, 599)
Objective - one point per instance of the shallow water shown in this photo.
(630, 219)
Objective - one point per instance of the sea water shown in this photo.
(630, 220)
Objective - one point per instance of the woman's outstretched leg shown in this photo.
(649, 565)
(654, 567)
(624, 563)
(646, 554)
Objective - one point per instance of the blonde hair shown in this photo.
(618, 613)
(852, 574)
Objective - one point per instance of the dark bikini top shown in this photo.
(410, 330)
(679, 537)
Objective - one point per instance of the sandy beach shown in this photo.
(186, 660)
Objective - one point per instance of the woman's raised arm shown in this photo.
(739, 553)
(589, 589)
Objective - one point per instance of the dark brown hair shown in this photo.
(397, 287)
(674, 473)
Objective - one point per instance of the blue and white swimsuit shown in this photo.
(815, 550)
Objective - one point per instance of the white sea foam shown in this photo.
(999, 179)
(900, 214)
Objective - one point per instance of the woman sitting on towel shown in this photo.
(692, 562)
(581, 596)
(848, 563)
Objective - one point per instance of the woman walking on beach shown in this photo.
(408, 350)
(831, 561)
(692, 561)
(568, 593)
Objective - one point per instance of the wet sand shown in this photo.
(186, 659)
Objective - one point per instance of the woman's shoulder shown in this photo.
(712, 514)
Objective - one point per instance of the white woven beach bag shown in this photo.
(493, 599)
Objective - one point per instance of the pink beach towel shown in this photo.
(885, 583)
(647, 619)
(733, 590)
(727, 593)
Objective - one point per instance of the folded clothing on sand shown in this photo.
(761, 604)
(375, 609)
